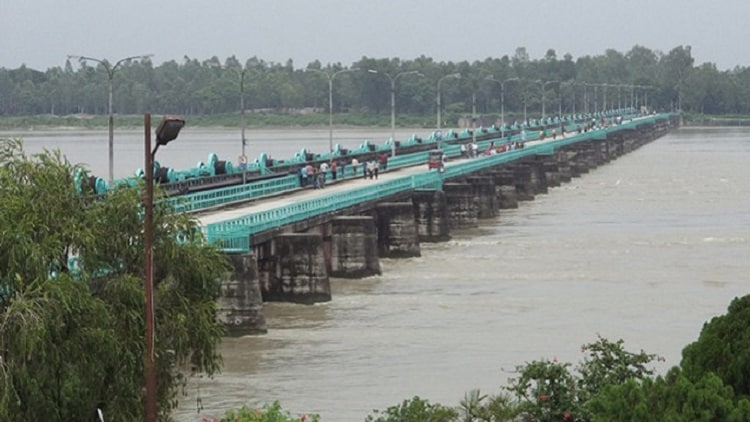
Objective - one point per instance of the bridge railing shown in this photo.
(216, 197)
(235, 234)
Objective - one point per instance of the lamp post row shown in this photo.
(111, 70)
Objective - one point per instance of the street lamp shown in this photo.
(110, 75)
(452, 75)
(393, 102)
(242, 113)
(502, 101)
(166, 132)
(241, 74)
(330, 77)
(544, 88)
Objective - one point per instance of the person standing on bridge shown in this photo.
(383, 161)
(334, 169)
(322, 174)
(310, 173)
(302, 177)
(355, 164)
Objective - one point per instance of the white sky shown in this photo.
(41, 33)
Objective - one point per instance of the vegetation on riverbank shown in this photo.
(228, 120)
(286, 121)
(281, 95)
(610, 383)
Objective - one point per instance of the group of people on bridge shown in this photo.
(316, 176)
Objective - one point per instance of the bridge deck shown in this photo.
(233, 225)
(338, 186)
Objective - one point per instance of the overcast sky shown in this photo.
(41, 33)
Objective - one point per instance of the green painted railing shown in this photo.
(234, 234)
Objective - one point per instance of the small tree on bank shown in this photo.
(72, 339)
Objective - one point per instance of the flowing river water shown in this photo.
(645, 249)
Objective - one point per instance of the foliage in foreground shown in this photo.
(269, 413)
(613, 384)
(609, 384)
(72, 337)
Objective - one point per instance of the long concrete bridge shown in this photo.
(286, 241)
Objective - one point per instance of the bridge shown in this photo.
(285, 240)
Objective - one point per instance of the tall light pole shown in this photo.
(437, 97)
(243, 124)
(544, 88)
(330, 77)
(241, 75)
(166, 132)
(502, 101)
(111, 69)
(393, 102)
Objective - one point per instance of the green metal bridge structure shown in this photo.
(234, 234)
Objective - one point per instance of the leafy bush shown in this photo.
(269, 413)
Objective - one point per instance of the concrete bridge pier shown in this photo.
(240, 305)
(293, 269)
(578, 160)
(522, 175)
(462, 205)
(505, 188)
(551, 171)
(431, 215)
(486, 199)
(606, 150)
(564, 172)
(593, 155)
(398, 236)
(354, 247)
(538, 176)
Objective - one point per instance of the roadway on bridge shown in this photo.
(339, 186)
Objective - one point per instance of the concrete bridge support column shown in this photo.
(538, 177)
(295, 270)
(524, 183)
(578, 160)
(484, 192)
(606, 156)
(591, 155)
(563, 166)
(354, 247)
(616, 149)
(505, 188)
(240, 305)
(551, 170)
(463, 211)
(397, 230)
(431, 215)
(630, 144)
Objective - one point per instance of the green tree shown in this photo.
(673, 397)
(71, 335)
(416, 409)
(723, 348)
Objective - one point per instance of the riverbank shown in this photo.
(79, 122)
(270, 121)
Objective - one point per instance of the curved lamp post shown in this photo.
(502, 100)
(544, 88)
(330, 77)
(111, 69)
(166, 132)
(437, 98)
(393, 101)
(241, 75)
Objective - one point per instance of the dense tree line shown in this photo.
(640, 76)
